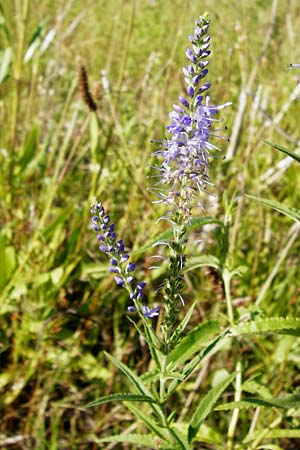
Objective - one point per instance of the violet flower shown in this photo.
(185, 155)
(119, 259)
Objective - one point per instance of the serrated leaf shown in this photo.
(293, 213)
(191, 366)
(121, 397)
(201, 334)
(277, 433)
(134, 379)
(287, 402)
(286, 325)
(252, 387)
(206, 405)
(136, 439)
(284, 150)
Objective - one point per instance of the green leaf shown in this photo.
(183, 323)
(122, 397)
(148, 421)
(146, 440)
(201, 334)
(29, 149)
(293, 213)
(287, 402)
(284, 150)
(134, 379)
(286, 325)
(276, 433)
(206, 405)
(180, 438)
(191, 366)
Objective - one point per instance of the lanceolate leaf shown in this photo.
(134, 379)
(136, 439)
(290, 401)
(206, 405)
(191, 342)
(284, 150)
(284, 325)
(122, 397)
(293, 213)
(149, 422)
(276, 433)
(191, 366)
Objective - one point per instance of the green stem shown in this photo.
(236, 411)
(226, 279)
(238, 380)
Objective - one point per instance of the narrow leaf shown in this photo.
(148, 421)
(122, 397)
(286, 325)
(134, 379)
(206, 405)
(136, 439)
(287, 402)
(293, 213)
(191, 342)
(284, 150)
(183, 323)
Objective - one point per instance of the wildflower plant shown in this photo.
(182, 176)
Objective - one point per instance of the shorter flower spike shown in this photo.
(115, 250)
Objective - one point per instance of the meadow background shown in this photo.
(59, 306)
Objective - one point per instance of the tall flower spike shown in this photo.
(185, 155)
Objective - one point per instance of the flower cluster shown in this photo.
(185, 156)
(119, 259)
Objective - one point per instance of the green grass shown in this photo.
(59, 307)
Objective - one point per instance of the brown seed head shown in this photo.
(84, 88)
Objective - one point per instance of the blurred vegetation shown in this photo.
(59, 306)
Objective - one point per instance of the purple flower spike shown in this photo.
(131, 309)
(185, 155)
(115, 252)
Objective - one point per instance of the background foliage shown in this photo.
(59, 308)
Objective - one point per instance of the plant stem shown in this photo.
(226, 279)
(236, 411)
